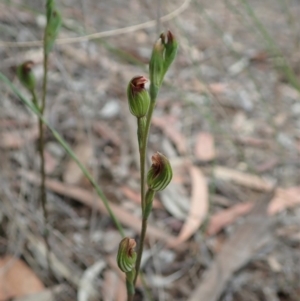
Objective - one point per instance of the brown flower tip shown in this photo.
(131, 244)
(167, 38)
(157, 163)
(162, 38)
(138, 96)
(170, 37)
(27, 66)
(26, 76)
(138, 83)
(126, 255)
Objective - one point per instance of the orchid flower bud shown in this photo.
(171, 47)
(163, 54)
(26, 76)
(126, 255)
(156, 64)
(160, 173)
(138, 96)
(54, 22)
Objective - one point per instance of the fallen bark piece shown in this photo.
(226, 217)
(236, 252)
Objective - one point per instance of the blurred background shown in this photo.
(227, 117)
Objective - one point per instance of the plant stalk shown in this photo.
(140, 249)
(43, 195)
(130, 285)
(130, 290)
(143, 147)
(141, 132)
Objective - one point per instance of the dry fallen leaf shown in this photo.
(226, 217)
(72, 173)
(242, 178)
(253, 141)
(236, 252)
(47, 294)
(284, 198)
(198, 207)
(17, 279)
(217, 88)
(111, 281)
(205, 147)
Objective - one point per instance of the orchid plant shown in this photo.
(141, 105)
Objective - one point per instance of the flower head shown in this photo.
(163, 54)
(138, 96)
(26, 76)
(160, 173)
(126, 255)
(171, 47)
(156, 64)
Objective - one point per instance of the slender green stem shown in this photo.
(148, 203)
(147, 209)
(43, 196)
(45, 80)
(130, 284)
(67, 148)
(153, 94)
(143, 177)
(143, 148)
(130, 290)
(34, 98)
(140, 249)
(43, 192)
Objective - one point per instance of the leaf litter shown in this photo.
(220, 123)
